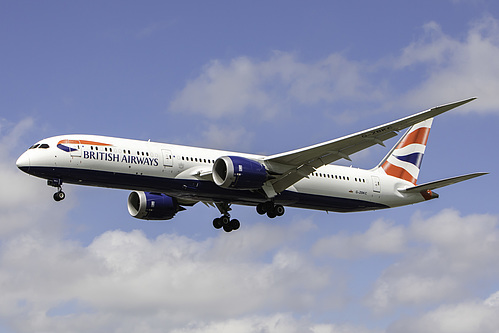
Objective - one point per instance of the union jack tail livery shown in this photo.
(404, 160)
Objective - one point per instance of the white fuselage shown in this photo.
(185, 173)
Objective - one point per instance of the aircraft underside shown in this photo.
(197, 190)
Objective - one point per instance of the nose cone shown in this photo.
(23, 162)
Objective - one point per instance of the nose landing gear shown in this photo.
(59, 195)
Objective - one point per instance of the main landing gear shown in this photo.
(270, 208)
(59, 195)
(224, 221)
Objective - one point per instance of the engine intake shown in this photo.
(239, 173)
(152, 206)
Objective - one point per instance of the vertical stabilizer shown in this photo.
(404, 160)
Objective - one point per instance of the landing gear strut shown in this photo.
(224, 221)
(59, 195)
(270, 208)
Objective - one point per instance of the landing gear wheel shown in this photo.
(217, 223)
(225, 220)
(58, 196)
(272, 213)
(279, 210)
(232, 225)
(235, 224)
(260, 209)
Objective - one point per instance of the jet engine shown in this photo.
(152, 206)
(239, 173)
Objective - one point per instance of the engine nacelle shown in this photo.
(239, 173)
(152, 206)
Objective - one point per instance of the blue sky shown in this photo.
(263, 77)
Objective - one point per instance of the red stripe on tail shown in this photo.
(398, 172)
(418, 136)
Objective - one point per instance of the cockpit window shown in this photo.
(34, 146)
(44, 146)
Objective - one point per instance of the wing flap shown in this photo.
(441, 183)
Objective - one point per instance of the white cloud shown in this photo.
(470, 316)
(165, 282)
(228, 137)
(450, 68)
(280, 322)
(456, 69)
(265, 88)
(276, 323)
(23, 197)
(381, 238)
(223, 91)
(446, 253)
(153, 28)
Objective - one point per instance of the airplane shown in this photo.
(166, 178)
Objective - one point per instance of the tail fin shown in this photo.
(404, 160)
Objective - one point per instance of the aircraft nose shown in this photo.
(23, 162)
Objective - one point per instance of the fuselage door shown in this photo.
(376, 184)
(167, 158)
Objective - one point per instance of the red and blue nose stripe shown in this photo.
(63, 144)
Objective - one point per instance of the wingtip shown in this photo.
(447, 107)
(461, 102)
(470, 99)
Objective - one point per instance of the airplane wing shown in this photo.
(441, 183)
(294, 165)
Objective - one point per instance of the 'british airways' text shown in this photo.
(110, 157)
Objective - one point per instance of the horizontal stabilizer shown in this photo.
(441, 183)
